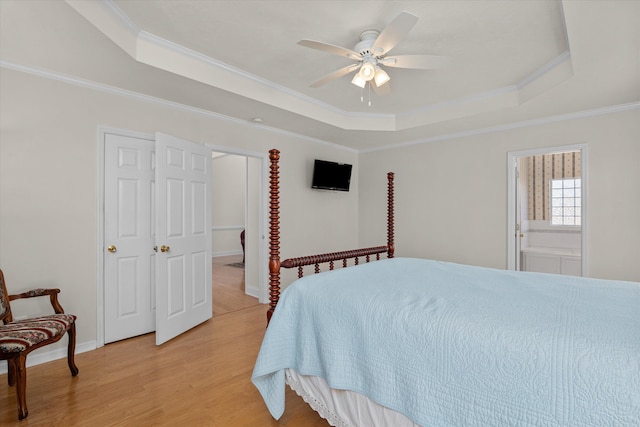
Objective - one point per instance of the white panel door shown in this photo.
(129, 235)
(518, 230)
(183, 236)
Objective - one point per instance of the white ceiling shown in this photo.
(511, 61)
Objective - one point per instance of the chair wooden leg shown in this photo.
(11, 372)
(71, 350)
(21, 385)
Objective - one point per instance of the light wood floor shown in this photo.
(201, 378)
(228, 286)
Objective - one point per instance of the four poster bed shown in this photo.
(409, 342)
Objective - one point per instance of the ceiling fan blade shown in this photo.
(420, 62)
(329, 48)
(335, 75)
(394, 33)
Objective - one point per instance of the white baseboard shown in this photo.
(252, 291)
(41, 356)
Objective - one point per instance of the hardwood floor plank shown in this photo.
(200, 378)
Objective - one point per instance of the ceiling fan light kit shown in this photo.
(371, 53)
(370, 72)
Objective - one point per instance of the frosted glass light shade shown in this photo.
(381, 77)
(358, 80)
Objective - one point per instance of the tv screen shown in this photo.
(331, 175)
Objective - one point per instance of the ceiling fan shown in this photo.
(371, 54)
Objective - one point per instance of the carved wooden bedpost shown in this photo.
(274, 233)
(390, 218)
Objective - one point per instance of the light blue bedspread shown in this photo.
(454, 345)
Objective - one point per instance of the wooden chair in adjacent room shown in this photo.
(19, 338)
(242, 243)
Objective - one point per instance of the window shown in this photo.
(566, 202)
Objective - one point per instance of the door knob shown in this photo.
(111, 249)
(164, 248)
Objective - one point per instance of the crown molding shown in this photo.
(613, 109)
(87, 84)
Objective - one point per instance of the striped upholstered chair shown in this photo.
(19, 338)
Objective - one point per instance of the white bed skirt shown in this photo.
(343, 408)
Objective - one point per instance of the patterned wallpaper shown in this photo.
(541, 170)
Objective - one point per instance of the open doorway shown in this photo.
(235, 196)
(547, 221)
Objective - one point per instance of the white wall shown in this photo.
(48, 183)
(253, 239)
(451, 195)
(229, 177)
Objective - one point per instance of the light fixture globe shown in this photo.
(381, 77)
(358, 80)
(368, 71)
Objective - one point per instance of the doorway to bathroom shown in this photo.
(547, 200)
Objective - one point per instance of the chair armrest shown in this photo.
(53, 297)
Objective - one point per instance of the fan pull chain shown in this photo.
(369, 94)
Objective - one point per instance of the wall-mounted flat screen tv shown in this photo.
(331, 175)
